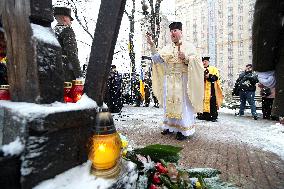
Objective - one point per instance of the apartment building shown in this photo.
(221, 29)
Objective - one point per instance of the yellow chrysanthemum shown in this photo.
(124, 143)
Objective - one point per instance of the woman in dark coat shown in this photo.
(268, 49)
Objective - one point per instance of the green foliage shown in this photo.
(167, 182)
(203, 172)
(158, 151)
(202, 182)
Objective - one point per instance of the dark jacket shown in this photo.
(113, 93)
(3, 74)
(246, 82)
(268, 45)
(67, 40)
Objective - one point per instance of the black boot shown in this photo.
(166, 132)
(180, 136)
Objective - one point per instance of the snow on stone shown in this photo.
(13, 148)
(30, 111)
(80, 178)
(76, 178)
(44, 34)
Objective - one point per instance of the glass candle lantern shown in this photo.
(105, 151)
(67, 94)
(77, 90)
(105, 147)
(4, 92)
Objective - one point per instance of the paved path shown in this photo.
(223, 145)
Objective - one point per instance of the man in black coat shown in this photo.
(113, 93)
(246, 87)
(268, 49)
(67, 40)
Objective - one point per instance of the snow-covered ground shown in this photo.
(263, 134)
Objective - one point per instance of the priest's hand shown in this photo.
(149, 39)
(181, 55)
(207, 76)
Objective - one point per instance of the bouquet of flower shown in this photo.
(157, 166)
(158, 169)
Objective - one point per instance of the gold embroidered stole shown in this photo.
(174, 90)
(172, 69)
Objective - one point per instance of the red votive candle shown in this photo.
(4, 92)
(67, 93)
(77, 90)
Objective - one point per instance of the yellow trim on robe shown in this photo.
(180, 127)
(207, 90)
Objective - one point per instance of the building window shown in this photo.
(230, 45)
(230, 9)
(240, 8)
(250, 47)
(187, 24)
(250, 28)
(187, 32)
(241, 44)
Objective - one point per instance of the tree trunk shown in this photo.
(107, 28)
(34, 64)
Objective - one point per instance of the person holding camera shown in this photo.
(246, 84)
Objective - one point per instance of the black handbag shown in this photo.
(265, 92)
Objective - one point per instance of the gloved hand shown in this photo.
(267, 78)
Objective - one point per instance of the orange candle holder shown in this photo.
(4, 92)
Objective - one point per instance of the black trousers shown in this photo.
(213, 110)
(267, 107)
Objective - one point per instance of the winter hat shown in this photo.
(206, 58)
(175, 25)
(63, 11)
(249, 65)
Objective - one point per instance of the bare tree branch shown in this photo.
(73, 4)
(84, 43)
